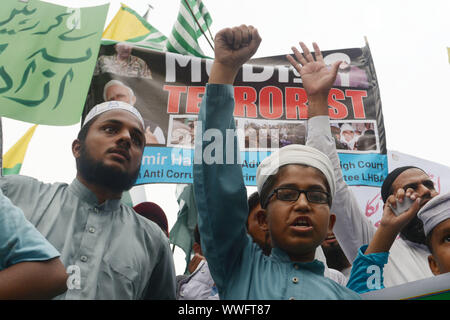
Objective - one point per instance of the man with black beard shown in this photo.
(109, 251)
(408, 258)
(336, 258)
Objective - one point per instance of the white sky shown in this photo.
(408, 40)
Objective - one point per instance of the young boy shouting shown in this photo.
(296, 185)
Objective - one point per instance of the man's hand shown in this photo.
(317, 78)
(195, 261)
(232, 48)
(391, 224)
(396, 222)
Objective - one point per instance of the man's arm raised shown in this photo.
(219, 186)
(352, 228)
(233, 47)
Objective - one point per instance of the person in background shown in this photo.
(336, 258)
(199, 285)
(408, 259)
(29, 264)
(368, 267)
(261, 237)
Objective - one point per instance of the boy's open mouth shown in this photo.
(302, 223)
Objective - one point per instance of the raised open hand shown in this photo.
(316, 76)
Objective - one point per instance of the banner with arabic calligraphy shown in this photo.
(47, 56)
(270, 109)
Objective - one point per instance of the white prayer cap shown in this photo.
(295, 154)
(112, 105)
(434, 212)
(115, 82)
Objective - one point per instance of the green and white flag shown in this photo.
(47, 56)
(192, 16)
(182, 232)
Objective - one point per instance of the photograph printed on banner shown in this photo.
(357, 136)
(260, 135)
(182, 131)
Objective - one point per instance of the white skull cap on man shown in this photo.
(112, 105)
(295, 154)
(434, 212)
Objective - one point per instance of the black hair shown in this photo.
(267, 188)
(253, 201)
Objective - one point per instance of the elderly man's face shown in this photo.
(117, 92)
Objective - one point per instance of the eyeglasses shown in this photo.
(291, 194)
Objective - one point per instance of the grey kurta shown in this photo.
(120, 255)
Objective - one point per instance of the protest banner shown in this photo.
(47, 54)
(270, 111)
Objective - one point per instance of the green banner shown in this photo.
(47, 57)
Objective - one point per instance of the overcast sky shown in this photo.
(408, 41)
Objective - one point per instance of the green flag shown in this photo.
(47, 56)
(193, 20)
(182, 232)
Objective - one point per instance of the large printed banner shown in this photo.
(271, 109)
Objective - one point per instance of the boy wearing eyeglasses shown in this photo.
(296, 185)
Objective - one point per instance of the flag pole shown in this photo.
(198, 24)
(210, 34)
(1, 148)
